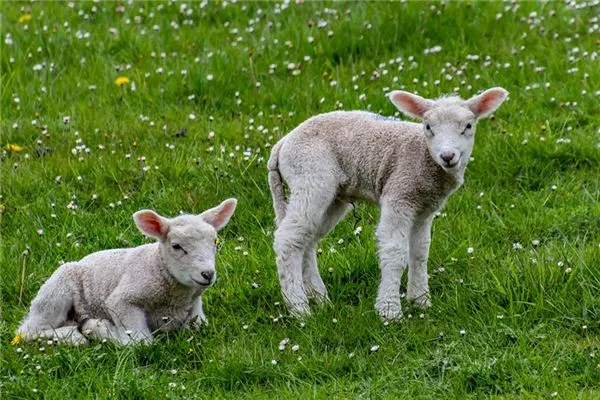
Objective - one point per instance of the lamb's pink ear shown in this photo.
(219, 216)
(410, 104)
(151, 224)
(487, 102)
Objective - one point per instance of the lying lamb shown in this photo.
(408, 169)
(126, 294)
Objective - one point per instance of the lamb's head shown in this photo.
(188, 242)
(449, 122)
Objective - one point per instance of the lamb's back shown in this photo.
(100, 273)
(367, 147)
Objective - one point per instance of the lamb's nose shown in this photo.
(447, 156)
(208, 275)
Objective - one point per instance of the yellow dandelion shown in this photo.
(13, 148)
(122, 80)
(2, 208)
(17, 339)
(25, 18)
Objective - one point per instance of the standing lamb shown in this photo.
(408, 169)
(126, 294)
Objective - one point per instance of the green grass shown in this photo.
(531, 314)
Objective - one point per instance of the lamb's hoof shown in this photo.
(196, 323)
(77, 340)
(422, 302)
(389, 311)
(70, 336)
(320, 299)
(299, 310)
(97, 329)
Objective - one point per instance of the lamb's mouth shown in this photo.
(453, 165)
(203, 284)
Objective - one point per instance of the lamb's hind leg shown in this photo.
(48, 317)
(313, 284)
(304, 216)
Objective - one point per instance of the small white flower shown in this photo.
(274, 362)
(470, 250)
(463, 332)
(210, 77)
(295, 347)
(373, 348)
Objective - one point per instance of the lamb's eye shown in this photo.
(177, 247)
(466, 129)
(428, 128)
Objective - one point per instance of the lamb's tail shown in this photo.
(276, 184)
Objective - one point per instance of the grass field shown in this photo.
(210, 86)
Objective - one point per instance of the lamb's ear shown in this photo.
(487, 102)
(410, 104)
(151, 224)
(219, 216)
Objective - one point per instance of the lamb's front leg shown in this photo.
(393, 240)
(197, 316)
(129, 321)
(418, 286)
